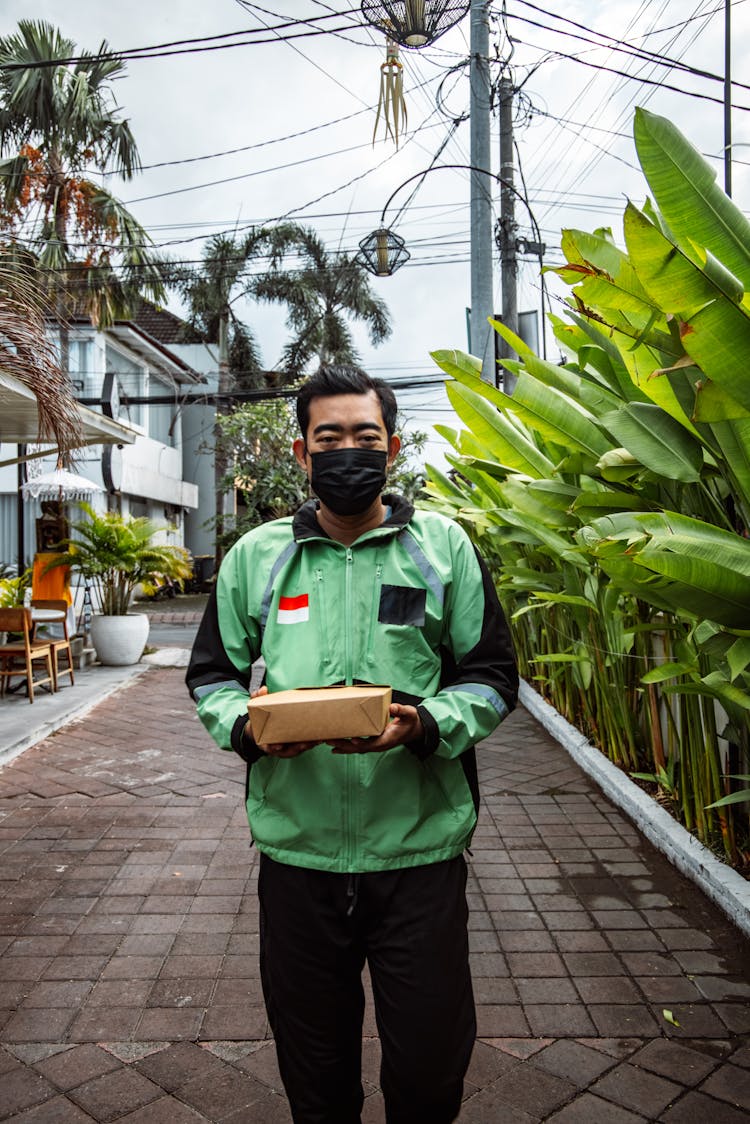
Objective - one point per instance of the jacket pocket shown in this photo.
(433, 770)
(265, 779)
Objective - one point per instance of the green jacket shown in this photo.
(410, 604)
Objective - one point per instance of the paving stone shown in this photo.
(552, 1020)
(696, 1108)
(533, 1090)
(263, 1065)
(672, 1060)
(501, 1021)
(274, 1109)
(729, 1083)
(697, 1020)
(23, 1087)
(76, 1066)
(487, 990)
(37, 1025)
(555, 990)
(588, 1109)
(114, 1094)
(104, 1024)
(166, 1110)
(544, 964)
(623, 1019)
(573, 1061)
(174, 1066)
(487, 1107)
(226, 1092)
(735, 1016)
(636, 1089)
(58, 1110)
(607, 989)
(69, 993)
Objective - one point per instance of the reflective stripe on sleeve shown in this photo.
(207, 688)
(486, 693)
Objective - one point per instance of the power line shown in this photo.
(616, 45)
(164, 50)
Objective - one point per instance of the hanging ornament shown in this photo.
(391, 102)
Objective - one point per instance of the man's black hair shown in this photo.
(341, 378)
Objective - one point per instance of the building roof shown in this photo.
(163, 325)
(19, 420)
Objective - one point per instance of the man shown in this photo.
(361, 841)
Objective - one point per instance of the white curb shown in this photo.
(728, 889)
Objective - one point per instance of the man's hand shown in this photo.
(280, 749)
(405, 726)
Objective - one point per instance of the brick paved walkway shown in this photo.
(129, 985)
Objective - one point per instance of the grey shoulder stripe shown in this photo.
(423, 564)
(283, 558)
(208, 688)
(486, 692)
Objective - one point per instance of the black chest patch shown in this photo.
(401, 604)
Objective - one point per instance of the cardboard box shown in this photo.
(319, 714)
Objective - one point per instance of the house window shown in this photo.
(133, 382)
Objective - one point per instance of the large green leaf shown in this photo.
(494, 431)
(715, 331)
(657, 440)
(733, 438)
(556, 417)
(535, 503)
(456, 363)
(674, 280)
(692, 566)
(684, 186)
(516, 343)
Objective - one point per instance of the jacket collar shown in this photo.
(305, 524)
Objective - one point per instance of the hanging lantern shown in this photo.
(382, 252)
(414, 23)
(391, 102)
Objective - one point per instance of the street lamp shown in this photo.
(382, 252)
(414, 23)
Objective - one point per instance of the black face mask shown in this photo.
(348, 481)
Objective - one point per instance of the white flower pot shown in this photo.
(119, 640)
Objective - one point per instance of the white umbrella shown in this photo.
(60, 485)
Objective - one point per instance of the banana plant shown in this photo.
(612, 490)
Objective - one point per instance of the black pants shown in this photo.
(316, 931)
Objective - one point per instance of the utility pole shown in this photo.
(728, 97)
(221, 461)
(482, 335)
(507, 226)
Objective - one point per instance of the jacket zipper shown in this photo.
(350, 760)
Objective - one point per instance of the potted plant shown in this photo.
(115, 554)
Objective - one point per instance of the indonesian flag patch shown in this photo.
(293, 610)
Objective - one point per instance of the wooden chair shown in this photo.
(18, 658)
(42, 632)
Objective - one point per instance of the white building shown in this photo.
(118, 371)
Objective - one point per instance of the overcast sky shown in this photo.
(573, 129)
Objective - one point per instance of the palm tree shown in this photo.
(210, 294)
(321, 294)
(28, 354)
(56, 122)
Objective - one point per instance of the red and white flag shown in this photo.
(293, 610)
